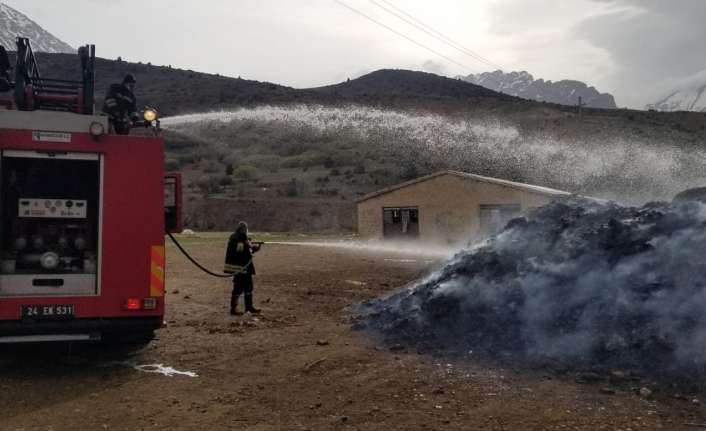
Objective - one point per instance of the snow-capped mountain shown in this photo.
(14, 23)
(688, 99)
(523, 84)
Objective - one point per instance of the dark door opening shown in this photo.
(173, 222)
(400, 223)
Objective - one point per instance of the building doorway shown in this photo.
(494, 217)
(400, 223)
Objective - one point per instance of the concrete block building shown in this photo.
(447, 207)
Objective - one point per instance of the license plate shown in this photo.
(48, 311)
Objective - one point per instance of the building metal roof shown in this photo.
(546, 191)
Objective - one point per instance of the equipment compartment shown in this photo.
(50, 223)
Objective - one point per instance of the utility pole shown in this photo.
(580, 106)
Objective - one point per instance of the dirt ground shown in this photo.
(299, 366)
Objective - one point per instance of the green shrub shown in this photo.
(327, 192)
(186, 159)
(409, 171)
(211, 168)
(171, 165)
(263, 161)
(292, 190)
(381, 173)
(306, 159)
(208, 184)
(245, 172)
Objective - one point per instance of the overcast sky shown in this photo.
(635, 49)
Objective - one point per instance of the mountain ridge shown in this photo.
(14, 23)
(523, 84)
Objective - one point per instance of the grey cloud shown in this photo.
(432, 66)
(516, 17)
(654, 44)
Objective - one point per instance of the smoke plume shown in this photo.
(578, 281)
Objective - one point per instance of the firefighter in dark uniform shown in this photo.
(121, 106)
(239, 261)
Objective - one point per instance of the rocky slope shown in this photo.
(523, 84)
(14, 23)
(687, 99)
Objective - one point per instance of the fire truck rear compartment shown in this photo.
(49, 233)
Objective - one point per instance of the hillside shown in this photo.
(296, 159)
(302, 167)
(172, 91)
(176, 91)
(392, 83)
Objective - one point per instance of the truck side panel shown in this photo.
(132, 224)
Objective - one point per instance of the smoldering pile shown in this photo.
(580, 282)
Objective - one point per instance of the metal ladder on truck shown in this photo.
(31, 91)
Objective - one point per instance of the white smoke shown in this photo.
(579, 281)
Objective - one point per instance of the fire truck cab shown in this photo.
(82, 215)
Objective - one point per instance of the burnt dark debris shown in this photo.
(580, 282)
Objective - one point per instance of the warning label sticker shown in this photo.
(51, 136)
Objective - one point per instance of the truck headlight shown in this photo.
(149, 115)
(96, 129)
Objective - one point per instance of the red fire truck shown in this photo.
(82, 211)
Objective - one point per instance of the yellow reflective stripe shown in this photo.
(241, 247)
(157, 270)
(232, 268)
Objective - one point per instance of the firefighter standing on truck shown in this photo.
(121, 106)
(239, 262)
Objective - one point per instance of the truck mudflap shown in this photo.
(70, 330)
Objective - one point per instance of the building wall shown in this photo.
(449, 207)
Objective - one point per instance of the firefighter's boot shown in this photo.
(234, 305)
(248, 305)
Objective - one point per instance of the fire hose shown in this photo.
(203, 268)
